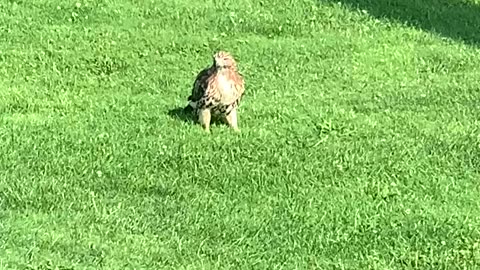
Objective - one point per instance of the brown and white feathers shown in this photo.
(218, 89)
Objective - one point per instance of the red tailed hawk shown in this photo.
(218, 90)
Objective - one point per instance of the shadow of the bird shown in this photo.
(187, 115)
(184, 114)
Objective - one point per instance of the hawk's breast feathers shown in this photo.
(217, 89)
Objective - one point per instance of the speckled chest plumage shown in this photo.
(218, 91)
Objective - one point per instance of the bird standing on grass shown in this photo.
(218, 90)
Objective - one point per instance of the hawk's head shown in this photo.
(223, 59)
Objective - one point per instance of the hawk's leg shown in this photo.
(232, 119)
(204, 117)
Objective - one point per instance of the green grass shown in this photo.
(360, 143)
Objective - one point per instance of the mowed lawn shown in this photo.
(359, 144)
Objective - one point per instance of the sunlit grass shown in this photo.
(359, 148)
